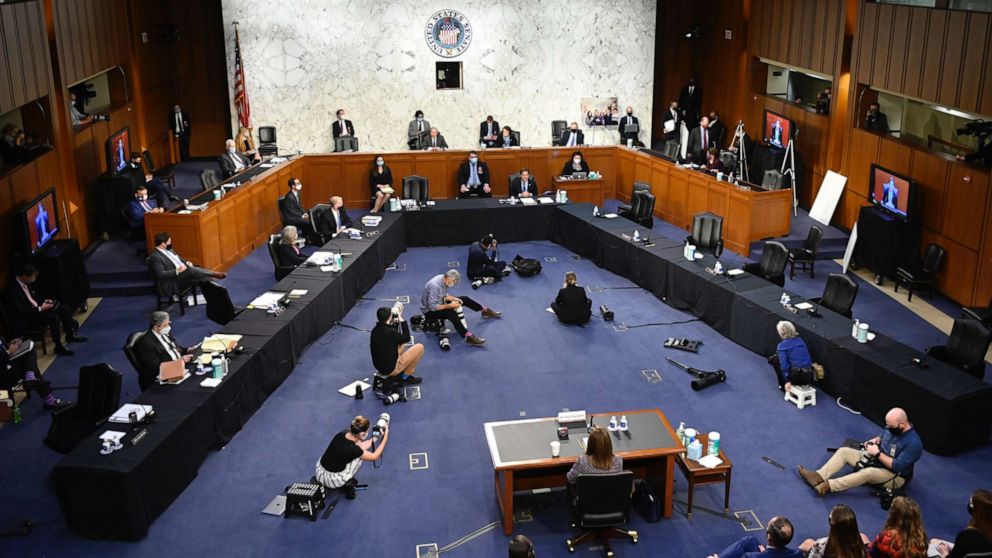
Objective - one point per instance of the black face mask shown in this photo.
(894, 430)
(168, 246)
(630, 112)
(575, 129)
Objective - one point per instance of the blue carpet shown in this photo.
(531, 364)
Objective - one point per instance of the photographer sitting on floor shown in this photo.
(390, 334)
(887, 459)
(344, 455)
(437, 304)
(484, 268)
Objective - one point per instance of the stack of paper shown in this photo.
(122, 416)
(298, 293)
(267, 299)
(321, 258)
(371, 220)
(545, 199)
(528, 201)
(220, 343)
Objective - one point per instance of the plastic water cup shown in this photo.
(216, 194)
(862, 332)
(630, 143)
(555, 448)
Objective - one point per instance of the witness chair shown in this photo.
(557, 128)
(35, 333)
(838, 294)
(807, 253)
(922, 274)
(602, 508)
(220, 309)
(982, 314)
(99, 396)
(166, 173)
(771, 266)
(965, 348)
(208, 179)
(707, 233)
(165, 300)
(280, 269)
(416, 188)
(267, 141)
(345, 144)
(638, 187)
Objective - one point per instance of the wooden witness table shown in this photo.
(231, 228)
(521, 454)
(695, 474)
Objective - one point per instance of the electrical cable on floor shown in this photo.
(469, 537)
(342, 324)
(664, 323)
(848, 409)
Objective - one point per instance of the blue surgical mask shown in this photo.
(473, 159)
(420, 119)
(380, 163)
(167, 329)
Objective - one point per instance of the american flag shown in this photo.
(240, 89)
(448, 33)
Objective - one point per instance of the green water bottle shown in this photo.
(17, 414)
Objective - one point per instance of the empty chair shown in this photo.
(922, 274)
(220, 309)
(839, 294)
(772, 180)
(557, 128)
(208, 179)
(516, 137)
(346, 144)
(980, 313)
(641, 209)
(638, 187)
(806, 254)
(707, 233)
(98, 398)
(267, 141)
(510, 179)
(965, 348)
(167, 173)
(771, 266)
(416, 188)
(602, 507)
(280, 269)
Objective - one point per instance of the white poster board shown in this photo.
(828, 197)
(849, 251)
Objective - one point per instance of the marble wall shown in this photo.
(530, 62)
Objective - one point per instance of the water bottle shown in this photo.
(595, 211)
(217, 372)
(17, 414)
(788, 300)
(854, 328)
(681, 432)
(637, 236)
(623, 422)
(613, 423)
(337, 261)
(781, 299)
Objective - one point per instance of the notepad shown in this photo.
(610, 216)
(804, 306)
(210, 382)
(349, 389)
(545, 200)
(710, 461)
(528, 201)
(297, 293)
(734, 272)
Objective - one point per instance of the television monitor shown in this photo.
(119, 150)
(778, 130)
(892, 192)
(41, 221)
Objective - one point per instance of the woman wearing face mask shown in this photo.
(381, 183)
(344, 455)
(506, 138)
(577, 164)
(417, 129)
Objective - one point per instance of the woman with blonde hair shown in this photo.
(289, 254)
(572, 306)
(903, 535)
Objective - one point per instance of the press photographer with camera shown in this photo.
(346, 452)
(791, 361)
(437, 304)
(887, 459)
(389, 337)
(484, 266)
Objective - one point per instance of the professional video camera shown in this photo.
(703, 379)
(976, 128)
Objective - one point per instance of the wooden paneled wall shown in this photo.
(90, 37)
(943, 56)
(807, 34)
(23, 55)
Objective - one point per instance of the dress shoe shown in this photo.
(64, 351)
(822, 489)
(475, 340)
(220, 275)
(57, 404)
(812, 478)
(76, 339)
(412, 380)
(488, 313)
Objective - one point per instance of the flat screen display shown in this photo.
(41, 221)
(119, 150)
(891, 192)
(778, 130)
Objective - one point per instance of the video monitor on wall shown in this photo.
(892, 192)
(119, 150)
(40, 220)
(778, 130)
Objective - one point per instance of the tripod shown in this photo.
(789, 168)
(739, 135)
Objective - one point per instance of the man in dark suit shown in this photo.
(334, 220)
(700, 141)
(691, 101)
(473, 178)
(489, 132)
(139, 206)
(179, 124)
(172, 273)
(572, 137)
(622, 126)
(157, 346)
(523, 186)
(671, 124)
(232, 162)
(435, 141)
(291, 208)
(136, 171)
(717, 129)
(483, 265)
(342, 128)
(24, 368)
(876, 121)
(26, 310)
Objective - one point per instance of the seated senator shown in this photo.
(335, 220)
(577, 164)
(139, 206)
(289, 254)
(381, 183)
(713, 163)
(506, 138)
(473, 178)
(232, 162)
(157, 346)
(791, 361)
(524, 186)
(572, 306)
(435, 141)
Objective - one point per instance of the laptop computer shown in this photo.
(580, 175)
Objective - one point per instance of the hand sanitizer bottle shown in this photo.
(613, 423)
(637, 236)
(623, 423)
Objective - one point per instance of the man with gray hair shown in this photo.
(157, 346)
(437, 304)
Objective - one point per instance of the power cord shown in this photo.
(664, 323)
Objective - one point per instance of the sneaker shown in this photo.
(488, 280)
(412, 380)
(475, 340)
(58, 404)
(506, 272)
(489, 313)
(812, 478)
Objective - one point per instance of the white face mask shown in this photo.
(576, 160)
(297, 187)
(230, 150)
(380, 163)
(473, 159)
(420, 119)
(166, 330)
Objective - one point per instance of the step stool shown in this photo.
(801, 396)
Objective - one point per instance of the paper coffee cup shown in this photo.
(555, 448)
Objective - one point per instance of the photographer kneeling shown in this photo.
(344, 455)
(572, 306)
(389, 336)
(484, 268)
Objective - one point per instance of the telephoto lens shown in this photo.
(708, 380)
(444, 342)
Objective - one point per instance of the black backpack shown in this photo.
(646, 501)
(526, 267)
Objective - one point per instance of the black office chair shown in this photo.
(220, 309)
(707, 233)
(638, 187)
(416, 188)
(728, 159)
(922, 274)
(516, 137)
(980, 313)
(771, 266)
(145, 378)
(509, 181)
(557, 129)
(316, 213)
(645, 214)
(345, 144)
(267, 141)
(99, 396)
(208, 179)
(632, 210)
(166, 300)
(838, 294)
(166, 173)
(806, 255)
(280, 269)
(601, 508)
(965, 348)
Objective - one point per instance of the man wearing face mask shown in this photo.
(232, 162)
(887, 459)
(26, 310)
(627, 120)
(179, 125)
(876, 121)
(473, 178)
(291, 208)
(344, 134)
(155, 187)
(488, 132)
(417, 130)
(172, 273)
(139, 206)
(157, 346)
(717, 129)
(572, 137)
